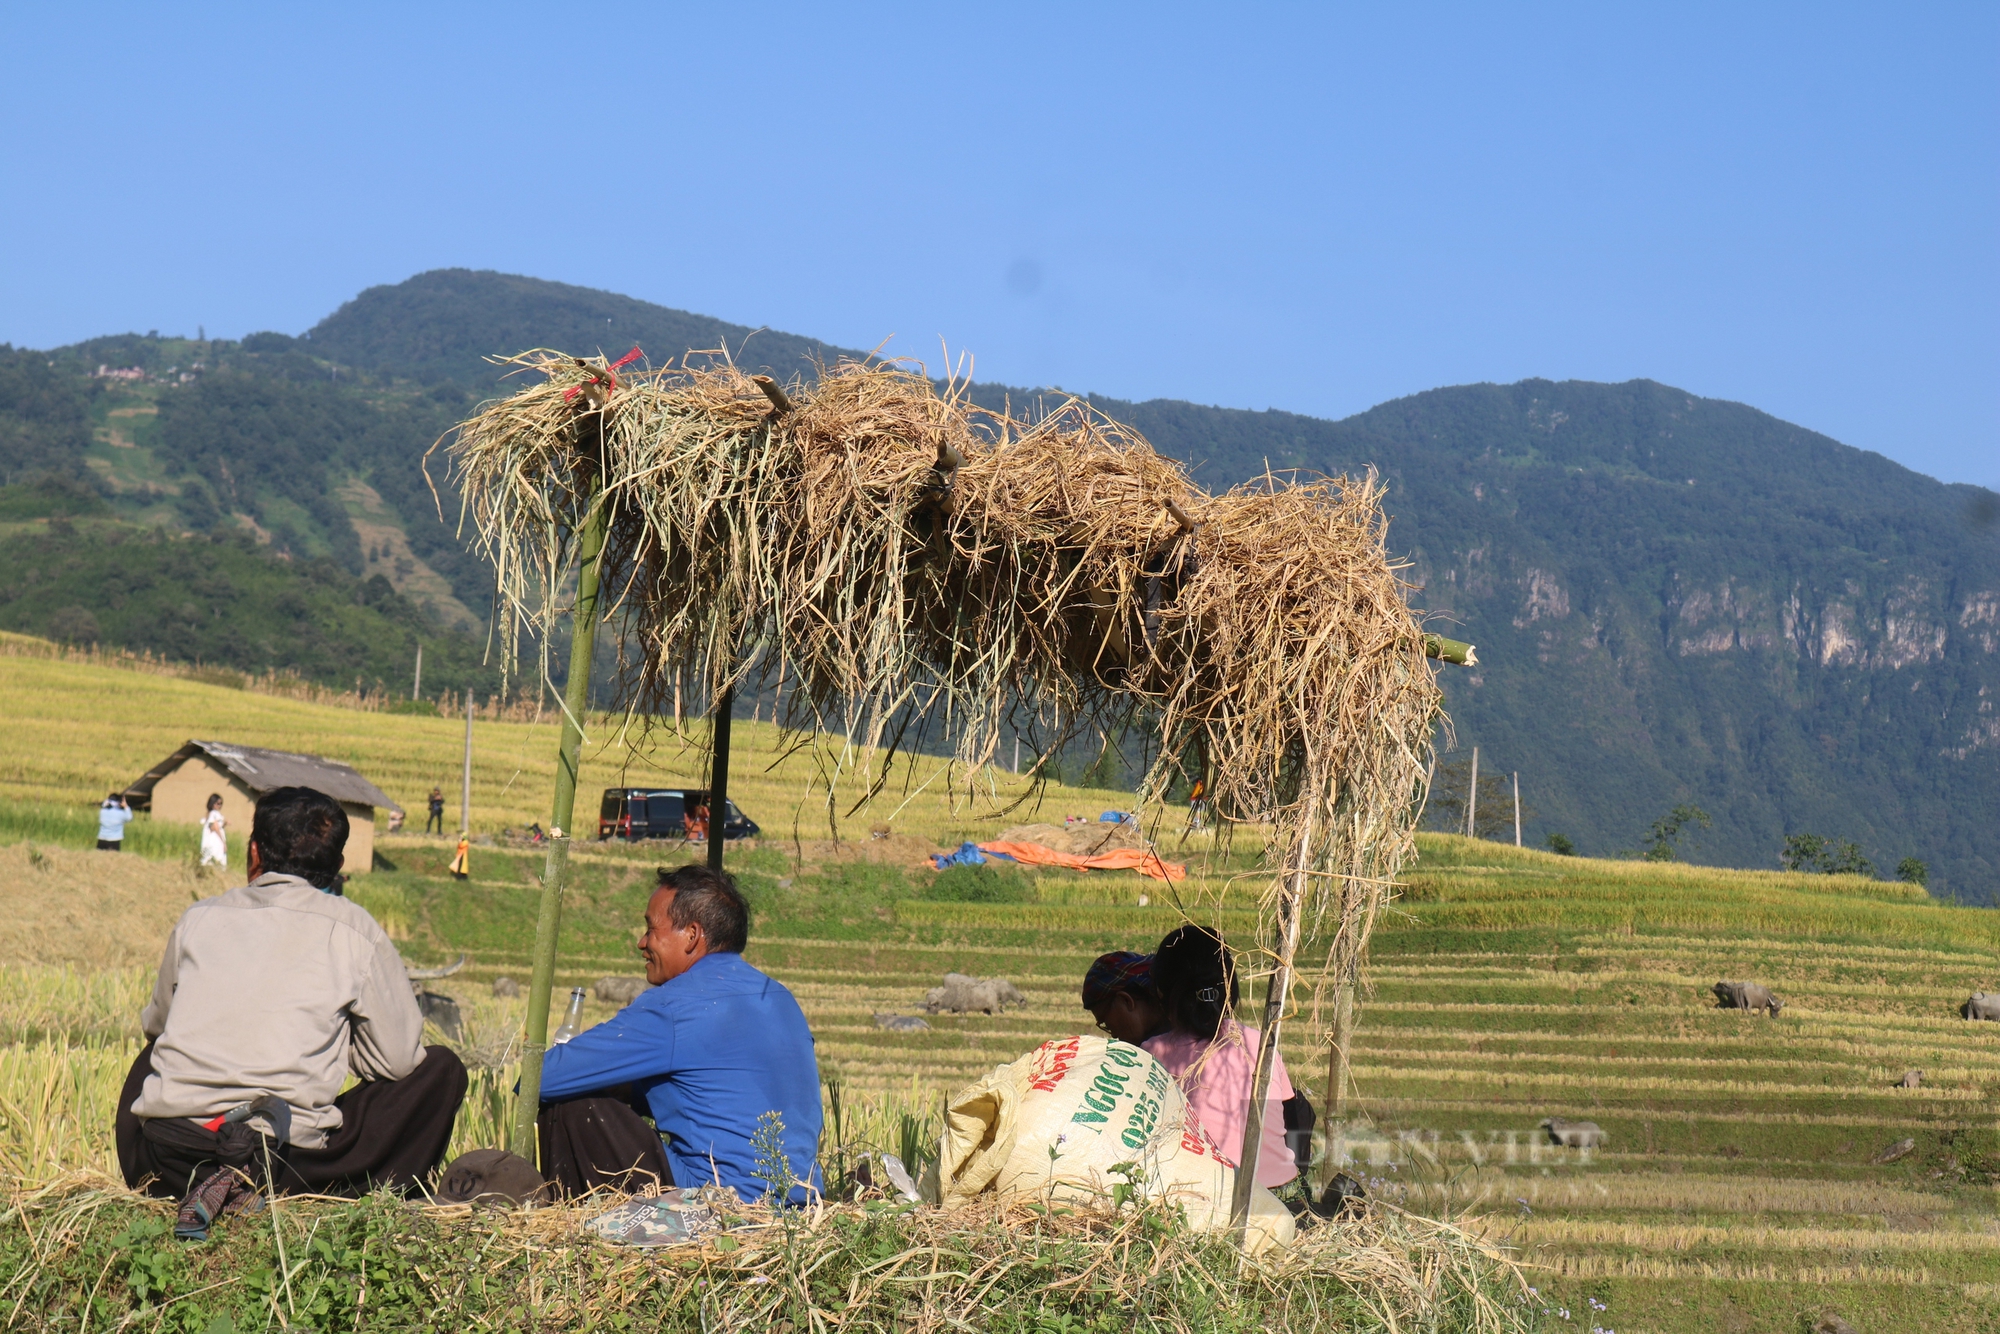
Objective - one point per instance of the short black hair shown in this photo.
(300, 831)
(712, 899)
(1196, 978)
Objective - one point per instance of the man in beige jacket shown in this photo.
(272, 994)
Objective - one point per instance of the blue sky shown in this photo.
(1314, 207)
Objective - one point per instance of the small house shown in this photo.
(178, 789)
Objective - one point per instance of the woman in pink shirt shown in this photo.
(1213, 1055)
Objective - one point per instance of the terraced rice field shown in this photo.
(1740, 1188)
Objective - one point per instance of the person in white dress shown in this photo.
(214, 846)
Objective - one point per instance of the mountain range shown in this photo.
(1677, 600)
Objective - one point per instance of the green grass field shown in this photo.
(1739, 1189)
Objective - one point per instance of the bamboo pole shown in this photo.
(1291, 908)
(1451, 650)
(1339, 1057)
(548, 922)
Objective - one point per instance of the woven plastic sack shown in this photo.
(1079, 1117)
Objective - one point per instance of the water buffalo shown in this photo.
(1747, 996)
(1981, 1005)
(1574, 1134)
(619, 990)
(1911, 1079)
(964, 995)
(437, 1007)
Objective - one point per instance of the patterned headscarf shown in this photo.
(1120, 970)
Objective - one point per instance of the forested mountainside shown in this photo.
(1681, 600)
(1676, 599)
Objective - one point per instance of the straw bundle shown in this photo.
(908, 560)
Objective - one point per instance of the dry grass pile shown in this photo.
(1082, 840)
(899, 559)
(92, 910)
(84, 1251)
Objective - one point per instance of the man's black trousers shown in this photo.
(394, 1133)
(588, 1143)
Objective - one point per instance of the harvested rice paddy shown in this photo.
(1740, 1187)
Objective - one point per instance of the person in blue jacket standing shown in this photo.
(708, 1052)
(112, 817)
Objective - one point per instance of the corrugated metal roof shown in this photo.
(261, 770)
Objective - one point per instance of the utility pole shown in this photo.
(1472, 799)
(417, 685)
(1517, 808)
(465, 781)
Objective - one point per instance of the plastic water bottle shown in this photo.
(572, 1023)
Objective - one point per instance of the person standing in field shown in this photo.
(214, 845)
(112, 817)
(437, 811)
(461, 861)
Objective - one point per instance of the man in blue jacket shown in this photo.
(708, 1052)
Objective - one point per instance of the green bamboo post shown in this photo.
(1450, 650)
(548, 923)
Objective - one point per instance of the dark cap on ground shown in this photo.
(491, 1176)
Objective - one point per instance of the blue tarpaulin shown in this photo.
(968, 854)
(1114, 817)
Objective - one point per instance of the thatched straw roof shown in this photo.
(905, 559)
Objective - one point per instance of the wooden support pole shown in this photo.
(718, 777)
(1291, 908)
(569, 752)
(1340, 1054)
(1517, 808)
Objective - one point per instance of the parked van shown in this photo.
(651, 812)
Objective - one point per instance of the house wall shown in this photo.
(182, 797)
(360, 837)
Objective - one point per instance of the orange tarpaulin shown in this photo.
(1142, 860)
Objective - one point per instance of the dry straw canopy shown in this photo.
(906, 559)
